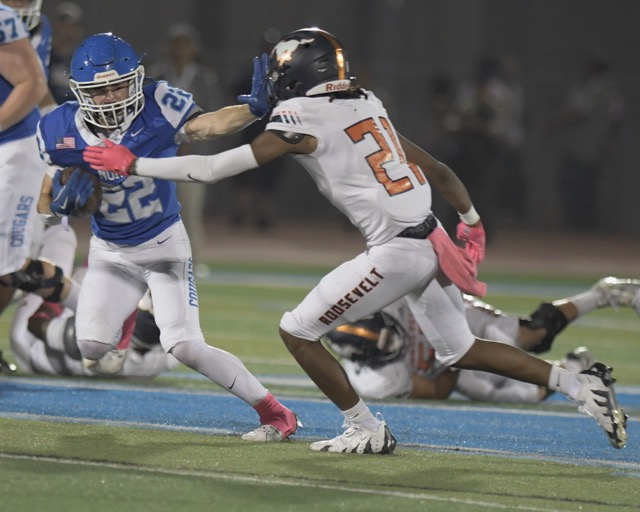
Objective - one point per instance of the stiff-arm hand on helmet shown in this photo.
(112, 157)
(475, 240)
(258, 100)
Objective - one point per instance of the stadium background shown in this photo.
(400, 46)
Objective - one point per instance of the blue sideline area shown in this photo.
(548, 433)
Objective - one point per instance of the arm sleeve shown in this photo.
(208, 169)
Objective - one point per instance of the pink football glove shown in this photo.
(113, 157)
(475, 240)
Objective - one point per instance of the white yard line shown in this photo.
(288, 482)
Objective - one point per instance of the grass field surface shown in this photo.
(172, 443)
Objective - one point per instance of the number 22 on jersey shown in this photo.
(385, 155)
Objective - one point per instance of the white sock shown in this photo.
(588, 301)
(360, 414)
(564, 381)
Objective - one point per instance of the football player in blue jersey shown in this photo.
(343, 137)
(40, 33)
(139, 240)
(22, 89)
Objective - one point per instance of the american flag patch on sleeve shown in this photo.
(65, 142)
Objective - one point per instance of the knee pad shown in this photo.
(93, 350)
(549, 317)
(31, 279)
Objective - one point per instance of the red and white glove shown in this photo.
(112, 157)
(475, 240)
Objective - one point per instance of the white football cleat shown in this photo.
(597, 399)
(617, 292)
(264, 434)
(358, 439)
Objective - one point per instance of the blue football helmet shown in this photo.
(105, 60)
(307, 62)
(30, 13)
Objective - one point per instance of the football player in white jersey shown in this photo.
(342, 136)
(22, 88)
(57, 353)
(139, 240)
(386, 355)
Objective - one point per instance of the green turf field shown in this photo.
(54, 466)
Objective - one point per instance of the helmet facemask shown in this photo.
(30, 14)
(114, 115)
(375, 340)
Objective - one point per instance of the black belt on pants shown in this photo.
(422, 230)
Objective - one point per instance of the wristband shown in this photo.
(471, 217)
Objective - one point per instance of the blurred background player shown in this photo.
(67, 24)
(588, 128)
(22, 89)
(388, 356)
(253, 200)
(40, 34)
(139, 240)
(342, 136)
(181, 67)
(138, 353)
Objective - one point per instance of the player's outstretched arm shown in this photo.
(216, 124)
(208, 169)
(232, 119)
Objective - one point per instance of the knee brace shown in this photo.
(549, 317)
(31, 279)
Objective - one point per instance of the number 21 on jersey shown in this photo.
(385, 155)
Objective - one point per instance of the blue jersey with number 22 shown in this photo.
(134, 209)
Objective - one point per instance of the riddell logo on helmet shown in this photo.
(335, 87)
(106, 75)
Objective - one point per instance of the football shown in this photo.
(93, 203)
